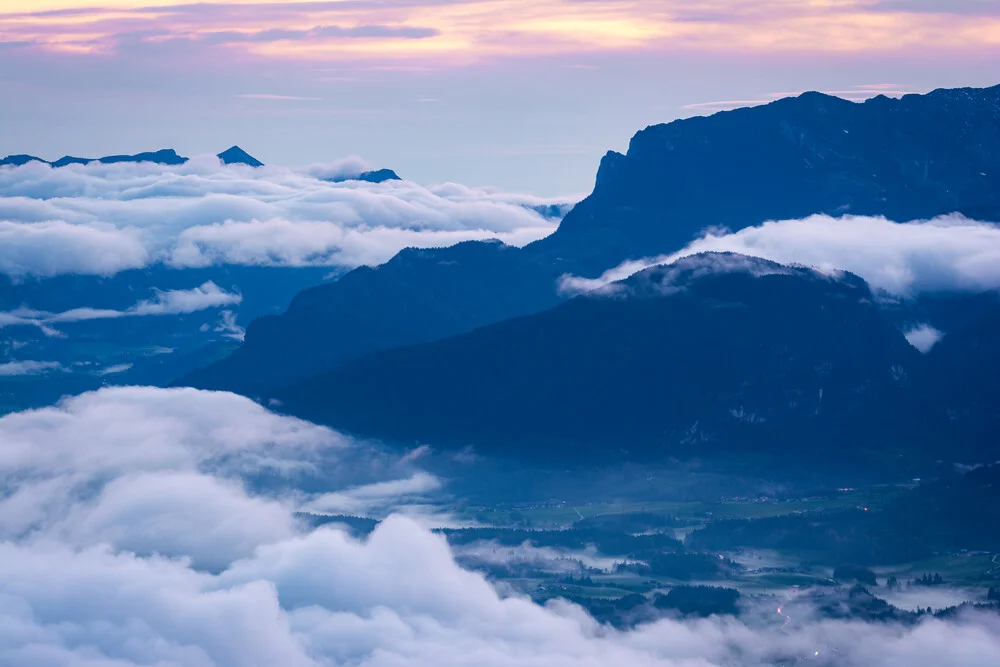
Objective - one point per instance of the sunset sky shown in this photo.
(523, 94)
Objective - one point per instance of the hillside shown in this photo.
(419, 295)
(718, 354)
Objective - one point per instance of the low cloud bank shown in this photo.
(14, 368)
(164, 302)
(546, 559)
(104, 218)
(145, 526)
(947, 253)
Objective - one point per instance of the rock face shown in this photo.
(909, 158)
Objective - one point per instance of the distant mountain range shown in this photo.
(163, 156)
(909, 158)
(232, 155)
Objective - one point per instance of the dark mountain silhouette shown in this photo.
(379, 176)
(233, 155)
(915, 157)
(163, 156)
(67, 160)
(419, 295)
(909, 158)
(374, 176)
(717, 354)
(236, 155)
(18, 160)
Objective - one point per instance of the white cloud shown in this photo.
(55, 247)
(29, 367)
(129, 535)
(114, 369)
(164, 302)
(152, 471)
(377, 498)
(348, 167)
(176, 302)
(674, 271)
(547, 559)
(923, 337)
(101, 219)
(946, 253)
(228, 327)
(913, 598)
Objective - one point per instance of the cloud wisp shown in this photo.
(164, 302)
(101, 219)
(15, 368)
(130, 535)
(947, 253)
(923, 337)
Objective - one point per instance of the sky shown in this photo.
(521, 94)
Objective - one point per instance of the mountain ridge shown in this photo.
(915, 157)
(375, 308)
(168, 156)
(791, 158)
(692, 360)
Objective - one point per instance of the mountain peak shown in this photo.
(236, 155)
(787, 160)
(720, 267)
(18, 160)
(379, 176)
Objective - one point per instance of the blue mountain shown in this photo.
(419, 295)
(909, 158)
(233, 155)
(236, 155)
(906, 159)
(716, 355)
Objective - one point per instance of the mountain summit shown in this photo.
(910, 158)
(236, 155)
